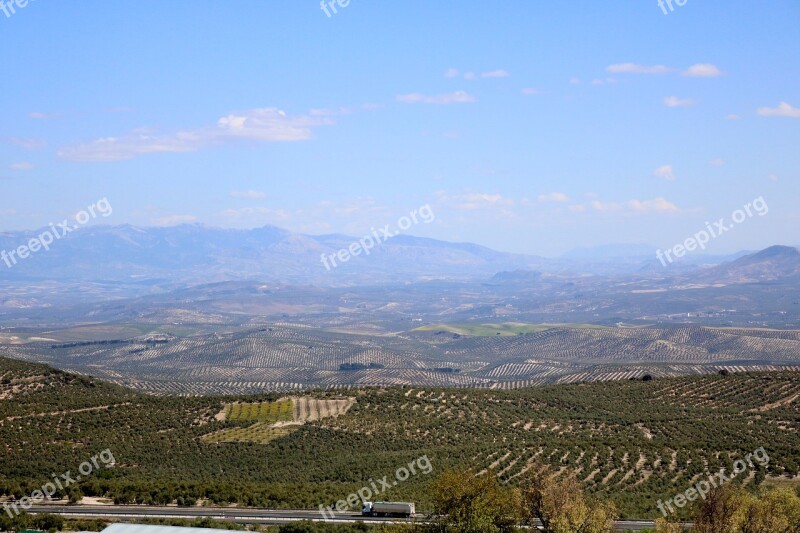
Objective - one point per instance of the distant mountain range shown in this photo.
(772, 264)
(193, 253)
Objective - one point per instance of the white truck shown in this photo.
(399, 509)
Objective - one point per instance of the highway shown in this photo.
(130, 513)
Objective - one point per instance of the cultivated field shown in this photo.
(292, 357)
(632, 441)
(274, 420)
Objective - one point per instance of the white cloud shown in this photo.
(656, 206)
(471, 201)
(268, 124)
(665, 171)
(733, 116)
(633, 68)
(28, 144)
(174, 220)
(23, 165)
(499, 73)
(773, 177)
(531, 91)
(783, 110)
(702, 70)
(264, 125)
(553, 197)
(483, 200)
(256, 215)
(674, 101)
(718, 162)
(37, 115)
(251, 195)
(458, 97)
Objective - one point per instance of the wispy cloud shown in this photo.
(698, 70)
(633, 68)
(28, 144)
(256, 215)
(499, 73)
(531, 91)
(483, 200)
(656, 206)
(263, 125)
(458, 97)
(674, 101)
(455, 73)
(783, 110)
(665, 171)
(250, 195)
(556, 197)
(38, 115)
(718, 162)
(471, 201)
(702, 70)
(174, 220)
(23, 165)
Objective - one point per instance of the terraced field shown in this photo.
(287, 357)
(274, 420)
(265, 412)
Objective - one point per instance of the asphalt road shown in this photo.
(232, 514)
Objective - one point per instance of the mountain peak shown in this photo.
(776, 252)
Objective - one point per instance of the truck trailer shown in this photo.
(398, 509)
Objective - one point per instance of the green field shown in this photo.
(264, 412)
(259, 433)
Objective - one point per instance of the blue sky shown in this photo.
(531, 127)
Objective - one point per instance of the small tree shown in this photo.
(466, 503)
(720, 512)
(559, 504)
(665, 526)
(776, 511)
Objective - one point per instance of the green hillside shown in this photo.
(633, 441)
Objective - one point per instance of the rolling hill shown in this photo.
(632, 441)
(284, 357)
